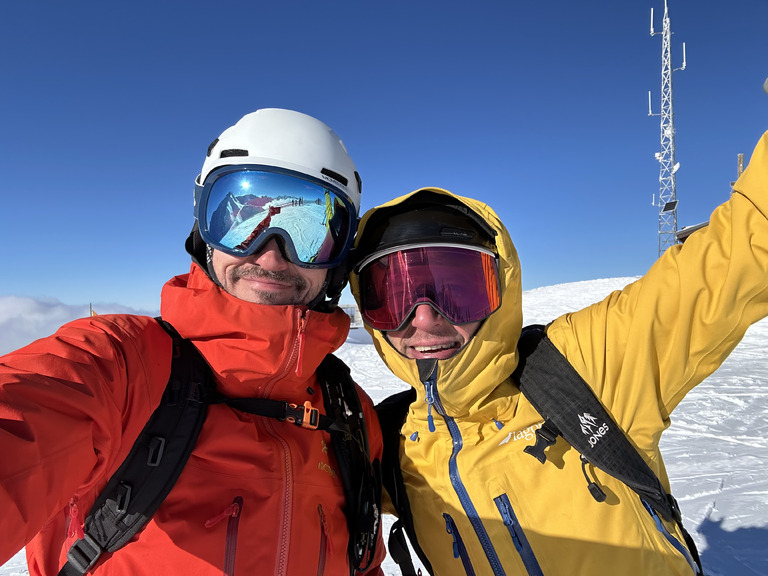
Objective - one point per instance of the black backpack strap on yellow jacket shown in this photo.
(561, 397)
(158, 456)
(571, 409)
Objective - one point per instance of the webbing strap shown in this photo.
(398, 549)
(141, 483)
(561, 396)
(360, 476)
(305, 416)
(572, 409)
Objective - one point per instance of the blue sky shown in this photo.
(539, 109)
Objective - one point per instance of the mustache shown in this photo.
(281, 276)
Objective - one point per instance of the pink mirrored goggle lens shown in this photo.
(461, 283)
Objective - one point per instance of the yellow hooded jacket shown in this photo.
(470, 486)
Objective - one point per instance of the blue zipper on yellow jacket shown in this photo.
(433, 398)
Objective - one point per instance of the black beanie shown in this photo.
(427, 217)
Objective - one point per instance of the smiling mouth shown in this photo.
(435, 348)
(268, 282)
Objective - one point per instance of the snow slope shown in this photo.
(716, 450)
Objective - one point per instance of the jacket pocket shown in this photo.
(518, 536)
(459, 550)
(232, 514)
(233, 525)
(323, 554)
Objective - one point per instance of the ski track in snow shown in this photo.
(716, 449)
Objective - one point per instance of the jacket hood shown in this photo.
(251, 347)
(470, 379)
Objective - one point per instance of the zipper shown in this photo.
(518, 535)
(232, 513)
(232, 528)
(296, 354)
(459, 550)
(302, 325)
(433, 400)
(323, 542)
(676, 544)
(294, 357)
(430, 400)
(285, 524)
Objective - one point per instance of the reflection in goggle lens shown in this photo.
(242, 205)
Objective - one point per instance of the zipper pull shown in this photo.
(233, 511)
(322, 517)
(595, 490)
(508, 520)
(449, 528)
(506, 517)
(324, 528)
(429, 387)
(303, 319)
(430, 400)
(75, 524)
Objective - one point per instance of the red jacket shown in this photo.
(261, 493)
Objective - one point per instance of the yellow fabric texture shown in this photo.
(641, 349)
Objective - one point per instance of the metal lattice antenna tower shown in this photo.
(667, 202)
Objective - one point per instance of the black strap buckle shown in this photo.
(305, 416)
(84, 553)
(545, 437)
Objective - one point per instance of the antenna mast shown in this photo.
(667, 202)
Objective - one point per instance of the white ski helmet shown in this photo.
(290, 140)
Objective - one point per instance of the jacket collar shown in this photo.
(251, 347)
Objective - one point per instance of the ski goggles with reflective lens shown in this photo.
(460, 282)
(239, 208)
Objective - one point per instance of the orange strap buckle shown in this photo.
(306, 417)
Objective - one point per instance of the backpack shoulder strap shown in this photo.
(563, 398)
(392, 413)
(360, 476)
(138, 487)
(572, 410)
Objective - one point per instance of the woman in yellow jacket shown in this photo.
(438, 283)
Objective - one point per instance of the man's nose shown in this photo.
(270, 257)
(425, 316)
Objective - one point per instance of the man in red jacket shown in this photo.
(257, 495)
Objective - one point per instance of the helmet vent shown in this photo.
(233, 152)
(335, 175)
(210, 147)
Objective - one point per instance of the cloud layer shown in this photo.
(23, 319)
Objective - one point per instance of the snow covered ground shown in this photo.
(716, 450)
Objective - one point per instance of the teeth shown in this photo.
(426, 349)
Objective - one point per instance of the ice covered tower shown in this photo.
(667, 200)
